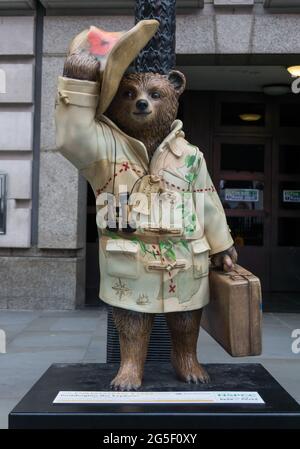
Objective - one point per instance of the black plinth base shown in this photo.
(36, 410)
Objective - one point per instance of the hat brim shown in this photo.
(121, 56)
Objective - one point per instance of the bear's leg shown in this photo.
(184, 328)
(134, 332)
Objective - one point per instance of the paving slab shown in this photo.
(17, 316)
(80, 324)
(30, 341)
(18, 371)
(291, 320)
(287, 373)
(96, 351)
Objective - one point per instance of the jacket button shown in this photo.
(64, 98)
(154, 179)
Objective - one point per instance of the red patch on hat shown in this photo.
(101, 42)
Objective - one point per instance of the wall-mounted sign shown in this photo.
(291, 196)
(245, 195)
(2, 203)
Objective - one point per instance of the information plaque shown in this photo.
(158, 397)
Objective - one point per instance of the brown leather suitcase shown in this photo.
(234, 315)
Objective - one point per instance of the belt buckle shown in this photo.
(161, 230)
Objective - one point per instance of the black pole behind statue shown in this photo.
(159, 55)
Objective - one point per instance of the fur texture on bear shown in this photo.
(146, 105)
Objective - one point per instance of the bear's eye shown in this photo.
(128, 94)
(155, 95)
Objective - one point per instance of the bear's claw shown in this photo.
(194, 378)
(126, 382)
(194, 373)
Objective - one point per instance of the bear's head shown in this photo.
(146, 104)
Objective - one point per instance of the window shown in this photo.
(247, 231)
(289, 159)
(288, 231)
(242, 157)
(290, 114)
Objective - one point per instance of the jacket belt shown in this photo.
(155, 238)
(158, 266)
(163, 231)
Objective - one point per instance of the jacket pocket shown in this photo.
(200, 254)
(122, 259)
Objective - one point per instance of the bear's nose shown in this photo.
(142, 105)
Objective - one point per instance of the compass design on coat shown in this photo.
(121, 289)
(142, 299)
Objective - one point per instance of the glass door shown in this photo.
(285, 253)
(242, 175)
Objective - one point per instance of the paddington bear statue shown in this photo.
(159, 217)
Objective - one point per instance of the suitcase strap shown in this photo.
(237, 276)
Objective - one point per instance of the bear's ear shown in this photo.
(177, 79)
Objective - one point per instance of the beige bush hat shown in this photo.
(115, 51)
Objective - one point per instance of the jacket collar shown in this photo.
(168, 144)
(176, 131)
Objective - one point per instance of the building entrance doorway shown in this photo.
(256, 168)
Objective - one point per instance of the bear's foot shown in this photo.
(191, 371)
(126, 380)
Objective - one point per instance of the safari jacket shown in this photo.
(162, 266)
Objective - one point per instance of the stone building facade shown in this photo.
(43, 248)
